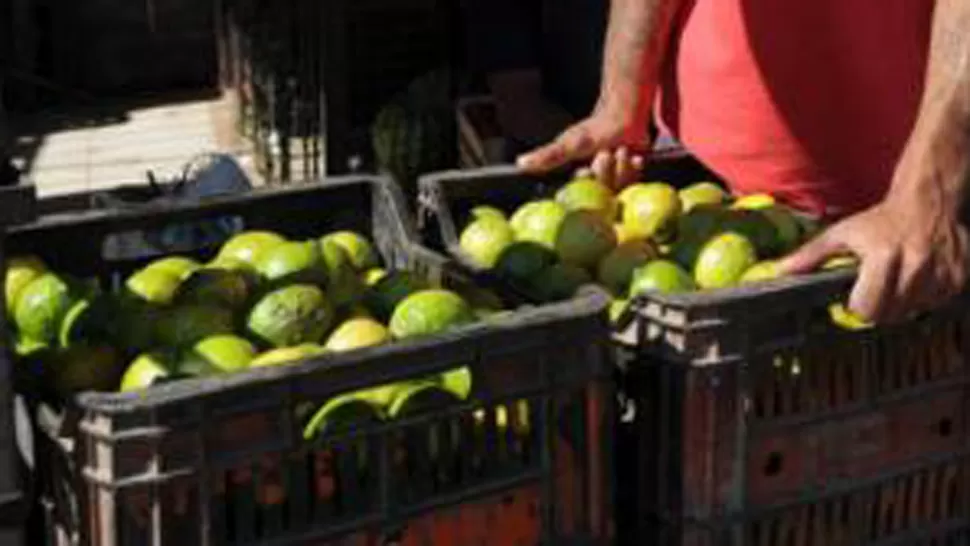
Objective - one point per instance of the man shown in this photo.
(856, 109)
(540, 61)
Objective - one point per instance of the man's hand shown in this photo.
(913, 255)
(913, 246)
(606, 138)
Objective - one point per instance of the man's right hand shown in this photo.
(615, 145)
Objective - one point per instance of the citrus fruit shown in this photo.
(136, 324)
(373, 276)
(358, 248)
(755, 226)
(26, 346)
(154, 285)
(295, 314)
(85, 368)
(249, 246)
(840, 262)
(701, 193)
(754, 201)
(286, 355)
(42, 305)
(343, 284)
(584, 238)
(90, 321)
(293, 261)
(146, 370)
(623, 198)
(787, 228)
(484, 240)
(723, 260)
(180, 266)
(342, 414)
(623, 234)
(761, 271)
(558, 281)
(524, 260)
(847, 320)
(387, 293)
(21, 270)
(617, 308)
(216, 285)
(588, 194)
(217, 354)
(187, 324)
(651, 210)
(484, 211)
(357, 333)
(661, 276)
(808, 227)
(457, 382)
(615, 270)
(420, 397)
(429, 312)
(538, 222)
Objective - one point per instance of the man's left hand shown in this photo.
(912, 250)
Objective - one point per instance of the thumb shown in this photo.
(545, 158)
(574, 143)
(811, 255)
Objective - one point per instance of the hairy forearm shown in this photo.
(636, 43)
(936, 163)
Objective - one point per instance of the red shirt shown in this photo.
(810, 100)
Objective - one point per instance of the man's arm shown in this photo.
(913, 246)
(936, 161)
(636, 46)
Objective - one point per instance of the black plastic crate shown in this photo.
(221, 460)
(310, 77)
(755, 420)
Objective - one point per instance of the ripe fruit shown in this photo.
(358, 248)
(723, 260)
(584, 238)
(485, 211)
(292, 315)
(21, 271)
(146, 370)
(429, 312)
(661, 276)
(180, 266)
(651, 210)
(249, 246)
(588, 194)
(154, 285)
(357, 333)
(217, 354)
(484, 240)
(615, 270)
(286, 355)
(701, 193)
(539, 222)
(41, 307)
(761, 271)
(524, 260)
(558, 281)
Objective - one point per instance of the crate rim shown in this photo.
(215, 204)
